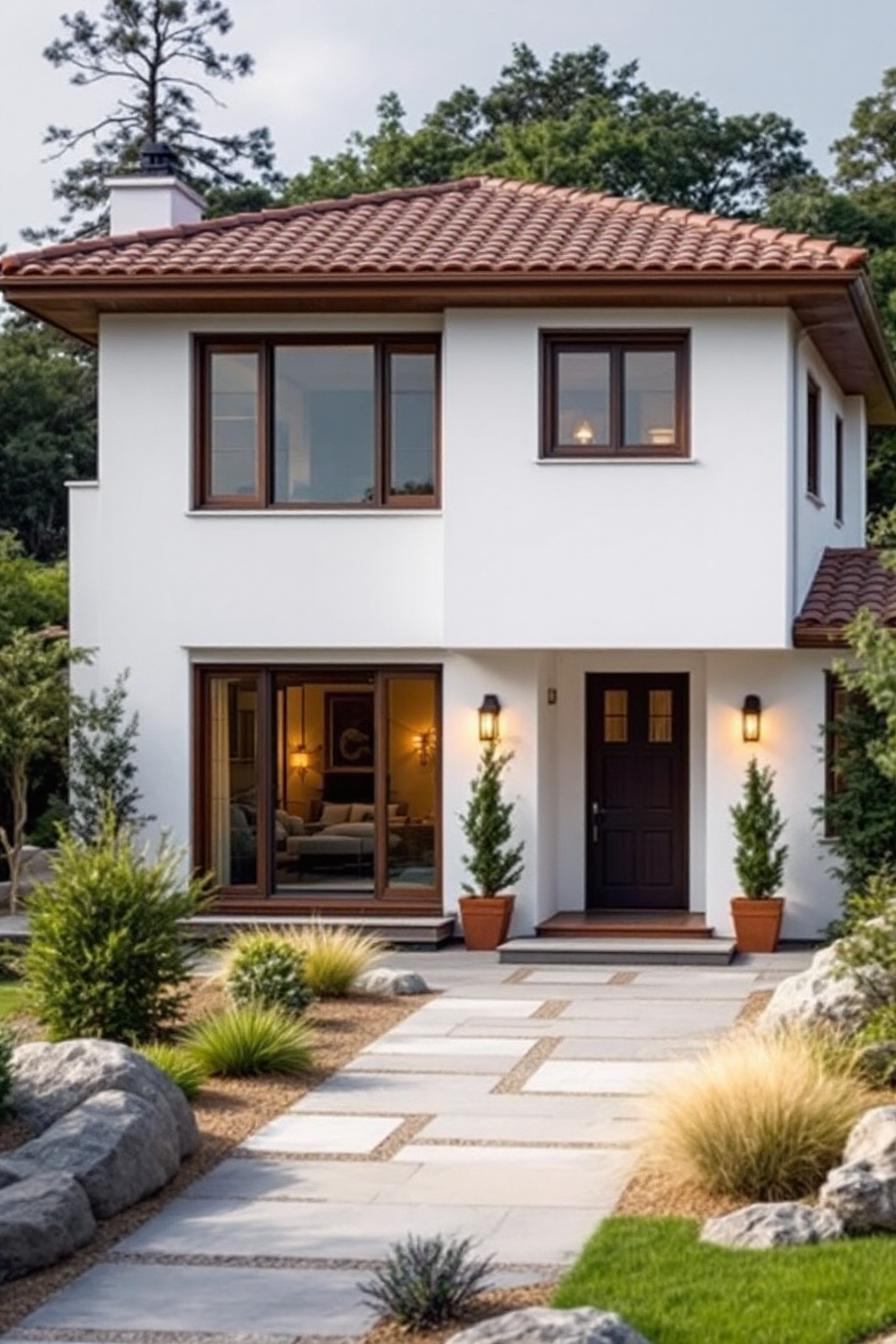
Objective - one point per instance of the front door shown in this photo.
(637, 791)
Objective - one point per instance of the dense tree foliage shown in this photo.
(33, 595)
(161, 57)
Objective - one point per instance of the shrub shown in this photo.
(877, 1042)
(493, 862)
(758, 858)
(267, 969)
(867, 952)
(759, 1116)
(250, 1039)
(427, 1281)
(860, 815)
(334, 958)
(105, 957)
(6, 1048)
(180, 1064)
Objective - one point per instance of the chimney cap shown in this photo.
(158, 159)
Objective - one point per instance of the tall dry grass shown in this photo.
(334, 957)
(759, 1115)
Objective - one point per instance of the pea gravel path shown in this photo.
(505, 1110)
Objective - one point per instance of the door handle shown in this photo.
(595, 822)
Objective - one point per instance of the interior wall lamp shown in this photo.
(425, 745)
(751, 715)
(489, 716)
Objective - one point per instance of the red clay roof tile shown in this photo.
(845, 581)
(475, 225)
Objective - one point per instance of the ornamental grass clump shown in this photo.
(268, 969)
(248, 1040)
(334, 958)
(758, 1116)
(427, 1281)
(179, 1063)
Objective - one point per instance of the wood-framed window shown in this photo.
(813, 438)
(838, 700)
(320, 422)
(319, 782)
(614, 394)
(839, 468)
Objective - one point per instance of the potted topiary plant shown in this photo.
(759, 862)
(493, 862)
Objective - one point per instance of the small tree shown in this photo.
(34, 714)
(758, 826)
(859, 816)
(494, 863)
(102, 766)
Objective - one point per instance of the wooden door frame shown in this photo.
(592, 750)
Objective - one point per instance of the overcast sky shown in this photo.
(322, 64)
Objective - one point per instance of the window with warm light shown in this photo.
(614, 394)
(318, 422)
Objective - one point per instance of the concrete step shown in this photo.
(625, 951)
(405, 930)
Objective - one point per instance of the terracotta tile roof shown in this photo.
(476, 225)
(845, 581)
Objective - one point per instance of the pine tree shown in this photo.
(758, 825)
(494, 863)
(102, 769)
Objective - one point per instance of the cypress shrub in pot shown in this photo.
(759, 862)
(493, 861)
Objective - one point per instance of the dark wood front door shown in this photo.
(637, 791)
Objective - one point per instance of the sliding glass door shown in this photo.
(319, 783)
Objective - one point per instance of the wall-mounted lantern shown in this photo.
(489, 715)
(751, 714)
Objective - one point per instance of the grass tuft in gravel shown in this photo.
(250, 1040)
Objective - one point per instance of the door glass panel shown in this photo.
(324, 822)
(659, 716)
(234, 423)
(649, 398)
(233, 780)
(412, 772)
(583, 399)
(412, 383)
(324, 435)
(615, 716)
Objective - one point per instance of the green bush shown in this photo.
(267, 969)
(867, 950)
(877, 1043)
(105, 957)
(758, 826)
(180, 1064)
(6, 1049)
(427, 1281)
(250, 1039)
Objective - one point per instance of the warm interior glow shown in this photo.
(425, 745)
(300, 759)
(584, 433)
(660, 434)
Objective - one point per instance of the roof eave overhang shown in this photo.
(819, 637)
(837, 307)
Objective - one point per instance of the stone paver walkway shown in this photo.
(505, 1110)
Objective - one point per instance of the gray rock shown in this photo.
(547, 1325)
(383, 981)
(49, 1080)
(820, 997)
(118, 1146)
(758, 1227)
(42, 1220)
(862, 1190)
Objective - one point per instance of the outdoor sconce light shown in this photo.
(489, 714)
(752, 717)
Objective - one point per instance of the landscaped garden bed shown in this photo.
(227, 1111)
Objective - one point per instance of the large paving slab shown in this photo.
(626, 1077)
(265, 1178)
(322, 1133)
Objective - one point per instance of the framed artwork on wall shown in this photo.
(350, 730)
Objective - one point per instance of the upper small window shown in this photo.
(813, 446)
(614, 394)
(303, 422)
(839, 483)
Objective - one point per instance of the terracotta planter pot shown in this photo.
(485, 920)
(757, 924)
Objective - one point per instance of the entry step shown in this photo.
(628, 951)
(414, 930)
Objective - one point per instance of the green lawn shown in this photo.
(12, 994)
(659, 1278)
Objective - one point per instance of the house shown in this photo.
(379, 476)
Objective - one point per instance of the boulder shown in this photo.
(383, 981)
(862, 1190)
(758, 1227)
(547, 1325)
(51, 1079)
(42, 1220)
(819, 996)
(117, 1145)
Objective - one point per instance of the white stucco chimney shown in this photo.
(154, 197)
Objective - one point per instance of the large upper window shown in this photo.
(300, 422)
(620, 394)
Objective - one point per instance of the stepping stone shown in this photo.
(614, 1077)
(454, 1046)
(475, 1007)
(291, 1133)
